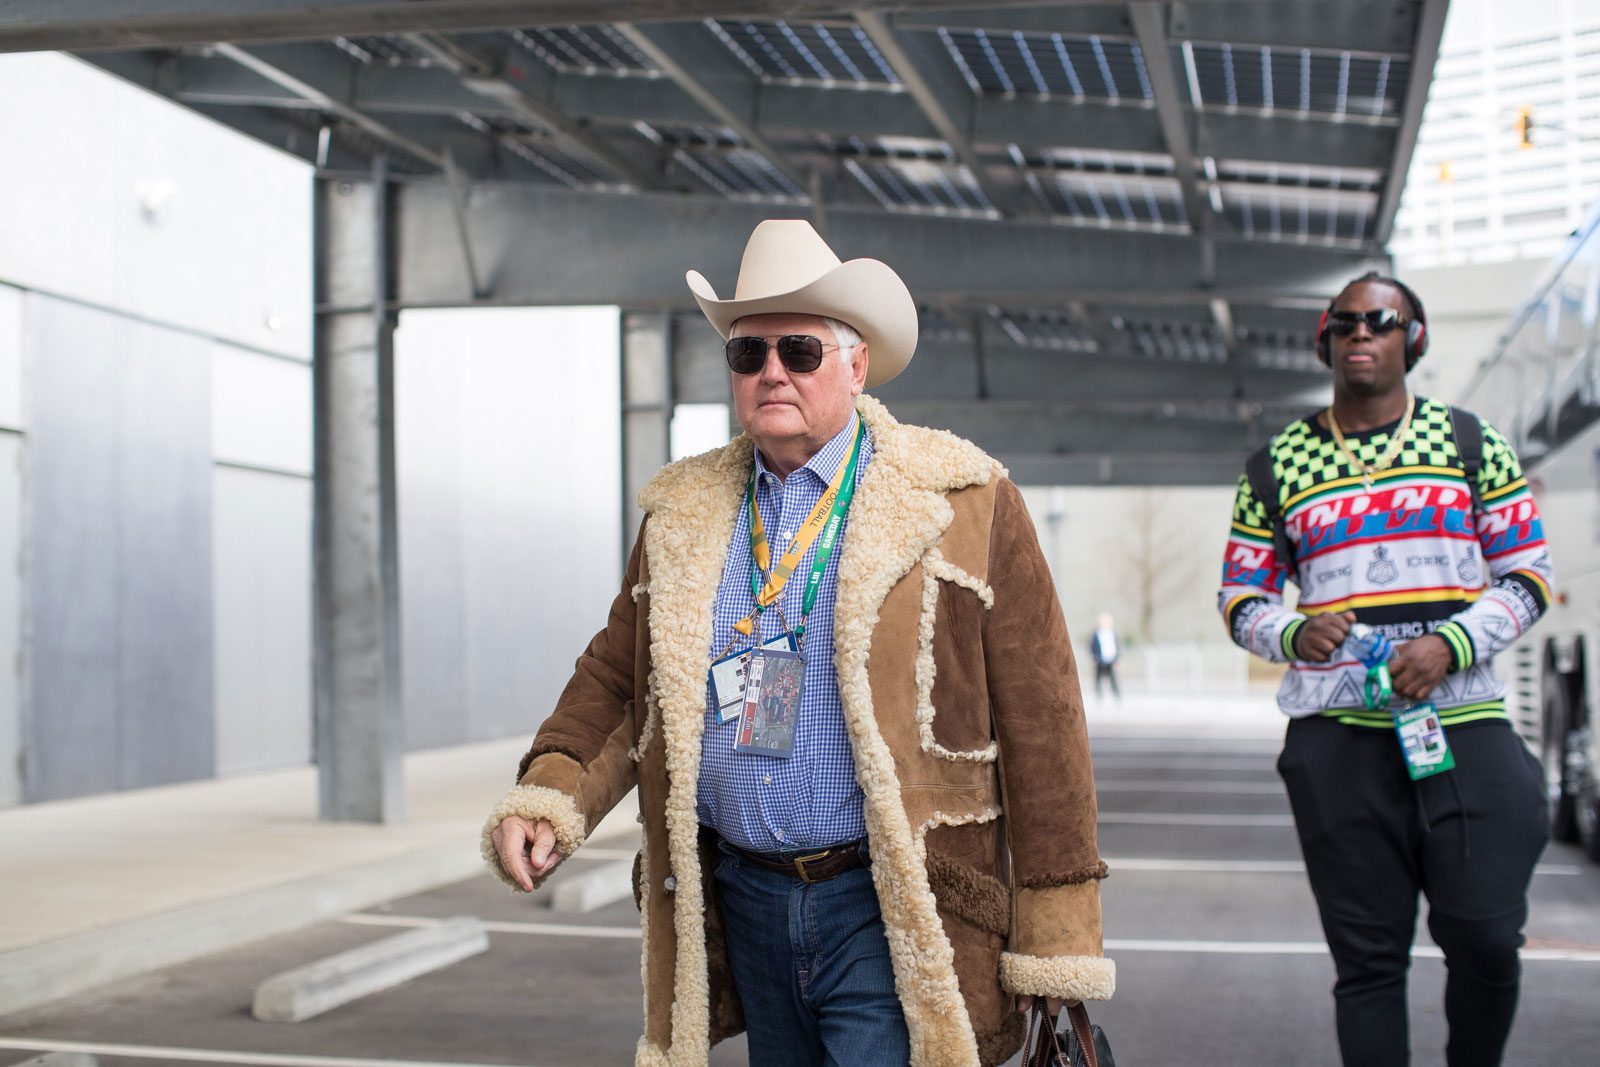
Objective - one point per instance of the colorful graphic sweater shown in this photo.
(1409, 558)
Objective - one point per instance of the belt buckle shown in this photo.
(801, 861)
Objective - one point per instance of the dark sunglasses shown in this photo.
(1378, 320)
(801, 353)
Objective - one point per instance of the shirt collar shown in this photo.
(826, 462)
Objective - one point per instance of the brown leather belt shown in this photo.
(813, 867)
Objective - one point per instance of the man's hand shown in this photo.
(1316, 641)
(527, 850)
(1053, 1004)
(1417, 666)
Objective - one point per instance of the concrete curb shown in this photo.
(37, 974)
(308, 991)
(593, 889)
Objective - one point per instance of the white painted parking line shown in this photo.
(213, 1055)
(1156, 785)
(1188, 818)
(1140, 761)
(1248, 948)
(1317, 948)
(502, 927)
(1158, 863)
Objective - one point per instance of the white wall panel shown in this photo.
(119, 553)
(262, 605)
(11, 446)
(509, 520)
(260, 410)
(11, 405)
(119, 198)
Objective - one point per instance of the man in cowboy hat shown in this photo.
(891, 870)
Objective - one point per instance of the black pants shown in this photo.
(1102, 671)
(1467, 839)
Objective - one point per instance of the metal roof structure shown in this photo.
(1119, 219)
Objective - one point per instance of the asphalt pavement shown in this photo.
(1207, 914)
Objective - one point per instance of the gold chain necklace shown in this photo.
(1389, 454)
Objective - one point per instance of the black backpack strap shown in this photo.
(1263, 479)
(1467, 429)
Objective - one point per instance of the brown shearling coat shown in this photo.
(964, 715)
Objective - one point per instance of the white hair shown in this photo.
(844, 335)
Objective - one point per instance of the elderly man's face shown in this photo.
(777, 406)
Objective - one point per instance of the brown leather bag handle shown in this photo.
(1042, 1045)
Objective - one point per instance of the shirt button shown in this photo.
(669, 884)
(766, 779)
(779, 835)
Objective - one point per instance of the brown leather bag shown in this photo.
(1084, 1045)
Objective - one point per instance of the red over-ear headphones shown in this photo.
(1416, 329)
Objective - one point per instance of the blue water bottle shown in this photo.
(1373, 649)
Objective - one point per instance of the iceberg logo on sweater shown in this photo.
(1383, 569)
(1469, 570)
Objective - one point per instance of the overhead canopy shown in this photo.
(1120, 219)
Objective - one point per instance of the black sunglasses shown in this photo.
(1378, 320)
(801, 353)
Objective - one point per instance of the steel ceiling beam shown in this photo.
(1365, 27)
(911, 76)
(1115, 468)
(944, 370)
(88, 25)
(555, 246)
(1146, 19)
(1425, 53)
(271, 67)
(806, 111)
(667, 46)
(505, 80)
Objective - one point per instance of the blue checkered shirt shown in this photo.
(811, 799)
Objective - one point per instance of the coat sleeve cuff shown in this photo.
(1070, 977)
(1459, 642)
(534, 802)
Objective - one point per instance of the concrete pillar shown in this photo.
(647, 399)
(359, 722)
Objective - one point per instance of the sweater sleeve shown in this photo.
(1251, 597)
(1511, 537)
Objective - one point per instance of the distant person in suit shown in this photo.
(1104, 649)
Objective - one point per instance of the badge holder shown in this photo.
(728, 676)
(1418, 726)
(767, 720)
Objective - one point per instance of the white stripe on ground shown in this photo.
(1127, 761)
(1187, 818)
(1317, 948)
(1155, 785)
(1249, 948)
(1157, 863)
(212, 1055)
(501, 927)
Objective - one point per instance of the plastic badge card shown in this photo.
(727, 677)
(771, 704)
(1422, 741)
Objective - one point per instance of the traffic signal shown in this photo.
(1524, 127)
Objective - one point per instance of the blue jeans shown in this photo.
(811, 964)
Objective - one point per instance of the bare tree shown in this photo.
(1147, 548)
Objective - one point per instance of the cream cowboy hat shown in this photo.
(789, 269)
